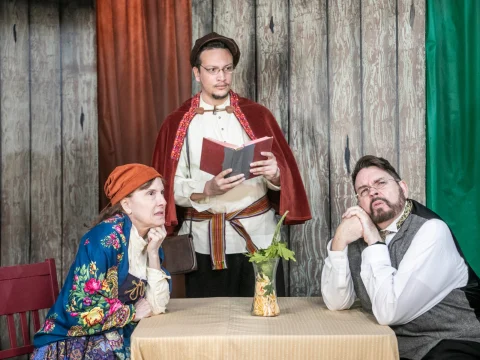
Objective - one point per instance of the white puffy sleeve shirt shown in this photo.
(158, 291)
(224, 127)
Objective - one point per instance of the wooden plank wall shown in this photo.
(344, 79)
(48, 116)
(49, 143)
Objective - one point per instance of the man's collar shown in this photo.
(393, 225)
(193, 111)
(398, 222)
(206, 106)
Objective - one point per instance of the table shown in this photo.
(223, 328)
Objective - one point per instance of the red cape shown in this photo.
(292, 196)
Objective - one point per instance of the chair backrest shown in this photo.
(26, 288)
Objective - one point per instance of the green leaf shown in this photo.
(257, 256)
(276, 249)
(286, 253)
(268, 289)
(276, 234)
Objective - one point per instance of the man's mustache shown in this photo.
(381, 199)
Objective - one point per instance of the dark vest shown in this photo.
(455, 317)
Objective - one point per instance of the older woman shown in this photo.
(116, 278)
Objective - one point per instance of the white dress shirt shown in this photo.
(225, 127)
(158, 290)
(429, 271)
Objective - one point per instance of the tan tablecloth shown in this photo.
(222, 328)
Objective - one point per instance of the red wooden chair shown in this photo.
(26, 288)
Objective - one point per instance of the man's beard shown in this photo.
(220, 97)
(379, 215)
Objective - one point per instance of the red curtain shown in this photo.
(143, 74)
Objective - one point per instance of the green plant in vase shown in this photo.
(265, 262)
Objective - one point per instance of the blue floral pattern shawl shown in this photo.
(88, 303)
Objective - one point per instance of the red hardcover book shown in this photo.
(219, 155)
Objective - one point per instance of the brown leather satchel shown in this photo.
(179, 254)
(179, 251)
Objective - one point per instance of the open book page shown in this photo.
(218, 156)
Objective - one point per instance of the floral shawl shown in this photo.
(88, 303)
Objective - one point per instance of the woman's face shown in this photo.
(146, 207)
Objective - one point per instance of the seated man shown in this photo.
(404, 264)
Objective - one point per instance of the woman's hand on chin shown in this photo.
(155, 239)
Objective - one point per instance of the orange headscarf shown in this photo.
(127, 178)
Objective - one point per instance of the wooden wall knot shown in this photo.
(346, 156)
(412, 14)
(82, 118)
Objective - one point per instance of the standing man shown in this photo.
(230, 215)
(404, 264)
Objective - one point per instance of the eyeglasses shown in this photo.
(378, 185)
(215, 70)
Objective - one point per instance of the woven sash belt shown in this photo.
(216, 229)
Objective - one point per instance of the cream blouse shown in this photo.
(158, 291)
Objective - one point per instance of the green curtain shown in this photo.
(453, 119)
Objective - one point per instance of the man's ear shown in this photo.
(404, 187)
(126, 206)
(196, 73)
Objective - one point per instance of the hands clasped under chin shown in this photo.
(369, 230)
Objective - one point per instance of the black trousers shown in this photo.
(454, 350)
(236, 281)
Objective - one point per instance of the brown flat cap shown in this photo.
(229, 43)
